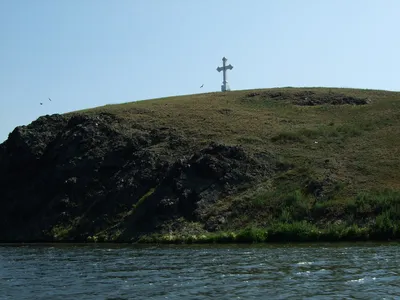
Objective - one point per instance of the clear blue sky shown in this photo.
(87, 53)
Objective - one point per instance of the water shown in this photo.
(358, 271)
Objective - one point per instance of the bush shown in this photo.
(252, 235)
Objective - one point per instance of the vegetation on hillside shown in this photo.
(319, 164)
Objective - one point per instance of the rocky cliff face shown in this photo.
(73, 177)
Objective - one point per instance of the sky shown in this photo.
(88, 53)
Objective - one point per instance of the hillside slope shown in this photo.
(278, 165)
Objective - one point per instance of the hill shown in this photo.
(287, 164)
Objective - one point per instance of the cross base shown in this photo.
(225, 88)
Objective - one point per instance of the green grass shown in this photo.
(349, 150)
(144, 197)
(283, 233)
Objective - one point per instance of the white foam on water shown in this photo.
(305, 263)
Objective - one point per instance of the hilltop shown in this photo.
(284, 164)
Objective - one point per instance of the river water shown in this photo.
(344, 271)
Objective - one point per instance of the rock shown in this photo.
(73, 177)
(214, 223)
(196, 183)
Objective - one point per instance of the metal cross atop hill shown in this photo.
(224, 68)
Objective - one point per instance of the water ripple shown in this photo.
(361, 271)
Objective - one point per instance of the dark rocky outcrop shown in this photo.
(71, 177)
(192, 185)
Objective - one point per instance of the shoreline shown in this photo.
(281, 233)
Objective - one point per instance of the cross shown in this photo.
(224, 86)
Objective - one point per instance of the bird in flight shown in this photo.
(49, 99)
(41, 103)
(202, 85)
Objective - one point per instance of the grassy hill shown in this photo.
(319, 163)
